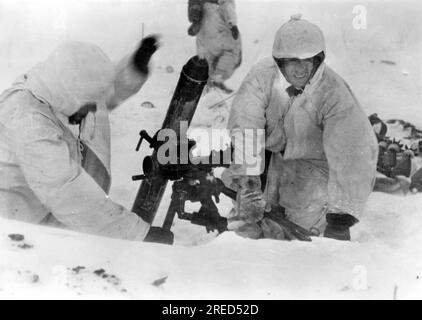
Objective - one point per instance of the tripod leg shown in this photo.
(177, 204)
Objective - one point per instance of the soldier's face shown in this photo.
(298, 72)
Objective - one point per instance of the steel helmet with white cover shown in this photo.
(298, 38)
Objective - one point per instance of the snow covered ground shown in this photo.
(383, 261)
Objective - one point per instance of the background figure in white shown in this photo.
(214, 23)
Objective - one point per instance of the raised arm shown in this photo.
(132, 72)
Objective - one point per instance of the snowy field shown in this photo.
(382, 65)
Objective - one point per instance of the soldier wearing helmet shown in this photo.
(320, 148)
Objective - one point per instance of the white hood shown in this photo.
(74, 74)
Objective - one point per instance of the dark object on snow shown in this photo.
(338, 226)
(25, 246)
(142, 56)
(159, 235)
(160, 281)
(192, 81)
(16, 237)
(147, 105)
(389, 62)
(110, 278)
(19, 238)
(99, 272)
(78, 269)
(35, 278)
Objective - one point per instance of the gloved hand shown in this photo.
(195, 11)
(338, 226)
(142, 56)
(159, 235)
(194, 29)
(251, 205)
(235, 32)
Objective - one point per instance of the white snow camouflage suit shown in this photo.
(41, 172)
(329, 148)
(215, 42)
